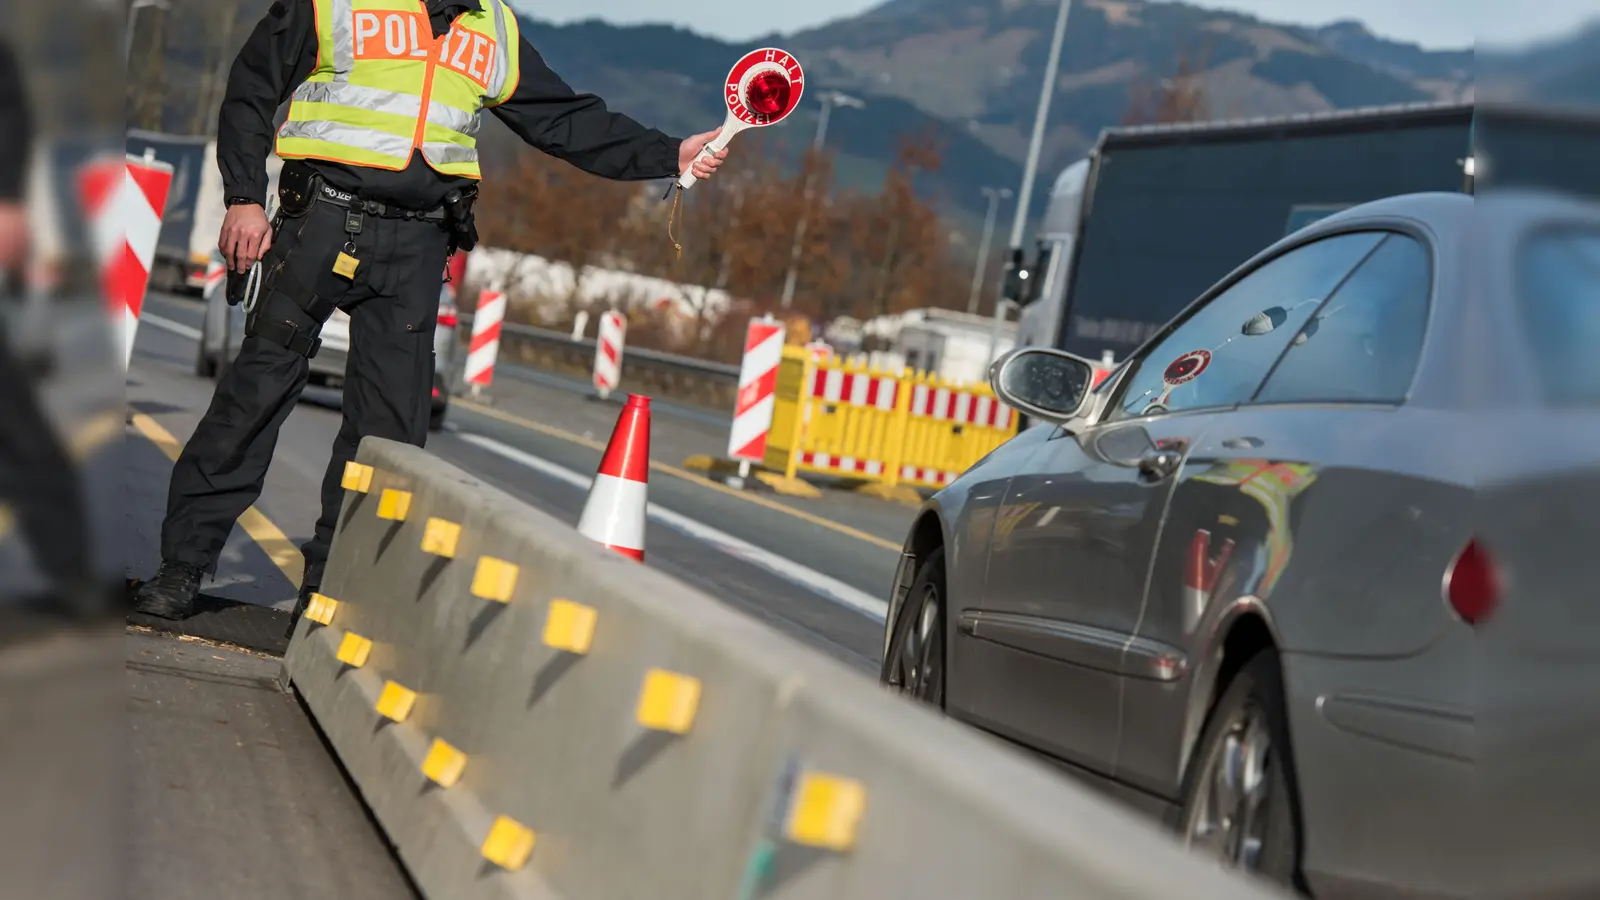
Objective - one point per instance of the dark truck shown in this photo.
(1159, 213)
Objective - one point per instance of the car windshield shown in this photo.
(1559, 298)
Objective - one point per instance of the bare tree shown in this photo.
(1180, 98)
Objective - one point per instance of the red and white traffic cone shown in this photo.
(614, 515)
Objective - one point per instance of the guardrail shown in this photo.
(530, 716)
(701, 382)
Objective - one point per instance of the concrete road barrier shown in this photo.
(531, 716)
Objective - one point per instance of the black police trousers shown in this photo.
(393, 303)
(37, 480)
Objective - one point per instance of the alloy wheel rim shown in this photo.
(1229, 821)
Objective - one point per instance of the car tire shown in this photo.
(915, 662)
(205, 365)
(1254, 825)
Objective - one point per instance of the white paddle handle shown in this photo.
(717, 145)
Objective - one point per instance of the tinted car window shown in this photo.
(1363, 344)
(1558, 275)
(1219, 356)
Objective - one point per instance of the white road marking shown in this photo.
(816, 582)
(165, 324)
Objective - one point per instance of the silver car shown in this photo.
(1247, 582)
(222, 331)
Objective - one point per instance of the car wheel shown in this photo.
(914, 665)
(1239, 800)
(205, 365)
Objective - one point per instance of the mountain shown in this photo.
(968, 71)
(1443, 70)
(965, 71)
(1560, 72)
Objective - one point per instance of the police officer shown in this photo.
(380, 173)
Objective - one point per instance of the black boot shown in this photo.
(170, 595)
(309, 584)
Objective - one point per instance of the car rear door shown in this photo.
(1073, 542)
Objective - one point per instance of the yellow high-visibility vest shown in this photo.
(383, 85)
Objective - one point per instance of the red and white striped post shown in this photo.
(758, 383)
(485, 346)
(124, 204)
(608, 353)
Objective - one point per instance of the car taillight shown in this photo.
(447, 320)
(1472, 585)
(435, 393)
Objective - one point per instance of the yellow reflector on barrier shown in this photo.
(439, 537)
(495, 579)
(393, 505)
(321, 609)
(357, 477)
(509, 843)
(354, 649)
(570, 626)
(444, 763)
(395, 701)
(668, 701)
(825, 811)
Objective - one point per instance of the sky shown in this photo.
(1431, 23)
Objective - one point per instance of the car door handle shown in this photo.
(1159, 465)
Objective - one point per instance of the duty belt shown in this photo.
(328, 194)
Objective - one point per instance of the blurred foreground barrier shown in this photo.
(529, 715)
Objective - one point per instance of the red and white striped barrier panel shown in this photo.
(485, 345)
(820, 351)
(848, 465)
(927, 476)
(614, 515)
(758, 383)
(608, 352)
(124, 205)
(855, 389)
(960, 407)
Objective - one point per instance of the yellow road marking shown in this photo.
(272, 541)
(94, 434)
(674, 471)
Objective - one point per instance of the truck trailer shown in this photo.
(1157, 214)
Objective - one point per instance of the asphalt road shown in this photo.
(818, 570)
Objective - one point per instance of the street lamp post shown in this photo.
(1031, 170)
(829, 101)
(133, 17)
(995, 195)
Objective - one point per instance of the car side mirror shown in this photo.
(1042, 382)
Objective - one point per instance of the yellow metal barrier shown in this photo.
(845, 419)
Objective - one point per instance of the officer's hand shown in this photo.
(689, 154)
(246, 236)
